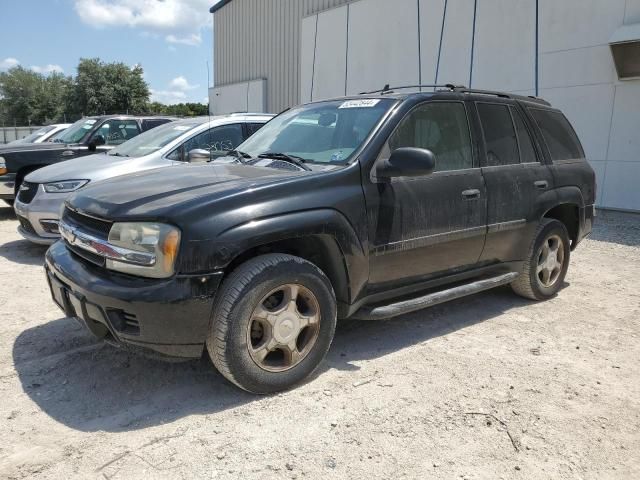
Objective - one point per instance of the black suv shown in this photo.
(86, 136)
(364, 207)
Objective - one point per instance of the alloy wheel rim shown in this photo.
(550, 261)
(283, 328)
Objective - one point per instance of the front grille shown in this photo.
(26, 225)
(85, 223)
(27, 192)
(87, 255)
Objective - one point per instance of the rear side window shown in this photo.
(148, 124)
(499, 135)
(441, 127)
(561, 140)
(527, 152)
(253, 128)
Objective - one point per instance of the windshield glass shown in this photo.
(34, 136)
(323, 132)
(153, 140)
(76, 132)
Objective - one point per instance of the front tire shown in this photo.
(273, 323)
(547, 262)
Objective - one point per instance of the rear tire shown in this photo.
(547, 262)
(273, 323)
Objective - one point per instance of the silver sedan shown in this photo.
(44, 191)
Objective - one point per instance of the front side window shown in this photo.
(561, 140)
(322, 132)
(441, 127)
(499, 134)
(217, 141)
(116, 132)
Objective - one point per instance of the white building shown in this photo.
(273, 54)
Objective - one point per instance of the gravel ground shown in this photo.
(491, 386)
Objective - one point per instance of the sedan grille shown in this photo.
(27, 192)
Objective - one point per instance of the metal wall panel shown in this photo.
(261, 39)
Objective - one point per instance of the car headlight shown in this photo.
(158, 243)
(3, 166)
(64, 186)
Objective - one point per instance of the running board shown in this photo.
(414, 304)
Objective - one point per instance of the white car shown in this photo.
(201, 139)
(45, 134)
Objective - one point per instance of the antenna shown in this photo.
(209, 113)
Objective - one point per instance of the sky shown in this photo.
(171, 39)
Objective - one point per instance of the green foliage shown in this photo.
(32, 98)
(27, 97)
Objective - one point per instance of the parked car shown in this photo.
(185, 141)
(86, 136)
(44, 134)
(362, 207)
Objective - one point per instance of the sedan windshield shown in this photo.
(76, 132)
(153, 140)
(323, 132)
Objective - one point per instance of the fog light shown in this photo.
(50, 226)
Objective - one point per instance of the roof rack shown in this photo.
(387, 89)
(460, 89)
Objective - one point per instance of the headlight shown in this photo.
(64, 186)
(157, 242)
(3, 166)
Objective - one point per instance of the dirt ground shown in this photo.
(488, 387)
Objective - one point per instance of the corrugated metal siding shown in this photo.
(261, 39)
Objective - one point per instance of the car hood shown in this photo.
(169, 193)
(31, 147)
(93, 167)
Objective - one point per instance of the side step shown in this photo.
(407, 306)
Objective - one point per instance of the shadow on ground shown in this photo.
(6, 212)
(92, 386)
(23, 252)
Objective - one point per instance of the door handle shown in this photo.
(68, 153)
(541, 184)
(471, 194)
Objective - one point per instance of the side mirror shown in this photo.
(95, 142)
(407, 162)
(199, 155)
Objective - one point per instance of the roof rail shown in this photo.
(387, 89)
(460, 89)
(529, 98)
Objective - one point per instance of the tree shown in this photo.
(108, 88)
(32, 98)
(179, 109)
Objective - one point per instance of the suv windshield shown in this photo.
(323, 132)
(153, 140)
(76, 132)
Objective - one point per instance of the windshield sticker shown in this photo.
(365, 103)
(182, 128)
(336, 157)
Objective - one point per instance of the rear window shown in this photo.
(559, 136)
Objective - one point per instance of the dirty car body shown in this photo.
(380, 226)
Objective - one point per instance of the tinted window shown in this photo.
(253, 127)
(499, 135)
(527, 153)
(561, 140)
(116, 132)
(148, 124)
(216, 140)
(440, 127)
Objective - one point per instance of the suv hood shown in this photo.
(31, 147)
(93, 167)
(168, 193)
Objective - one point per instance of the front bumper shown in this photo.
(170, 316)
(43, 209)
(8, 186)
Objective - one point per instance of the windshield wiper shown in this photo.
(241, 156)
(298, 161)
